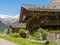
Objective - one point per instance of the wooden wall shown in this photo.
(36, 18)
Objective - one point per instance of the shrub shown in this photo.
(36, 36)
(14, 35)
(44, 32)
(22, 33)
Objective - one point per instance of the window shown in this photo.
(42, 17)
(59, 17)
(24, 13)
(28, 17)
(52, 17)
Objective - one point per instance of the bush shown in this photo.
(44, 32)
(14, 35)
(36, 36)
(22, 33)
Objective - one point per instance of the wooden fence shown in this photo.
(53, 37)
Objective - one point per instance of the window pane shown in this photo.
(52, 17)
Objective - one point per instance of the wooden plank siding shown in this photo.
(44, 13)
(22, 14)
(36, 18)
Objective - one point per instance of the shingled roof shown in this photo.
(52, 6)
(32, 7)
(20, 25)
(55, 4)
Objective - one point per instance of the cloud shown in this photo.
(8, 16)
(16, 16)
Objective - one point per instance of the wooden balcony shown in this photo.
(52, 23)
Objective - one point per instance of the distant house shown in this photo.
(15, 27)
(39, 16)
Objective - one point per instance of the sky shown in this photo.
(12, 7)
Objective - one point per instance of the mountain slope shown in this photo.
(3, 26)
(8, 20)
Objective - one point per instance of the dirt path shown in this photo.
(5, 42)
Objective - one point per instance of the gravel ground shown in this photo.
(5, 42)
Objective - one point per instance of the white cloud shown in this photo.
(8, 16)
(16, 16)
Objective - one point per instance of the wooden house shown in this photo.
(38, 16)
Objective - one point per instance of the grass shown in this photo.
(20, 41)
(54, 31)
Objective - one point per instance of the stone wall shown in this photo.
(53, 37)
